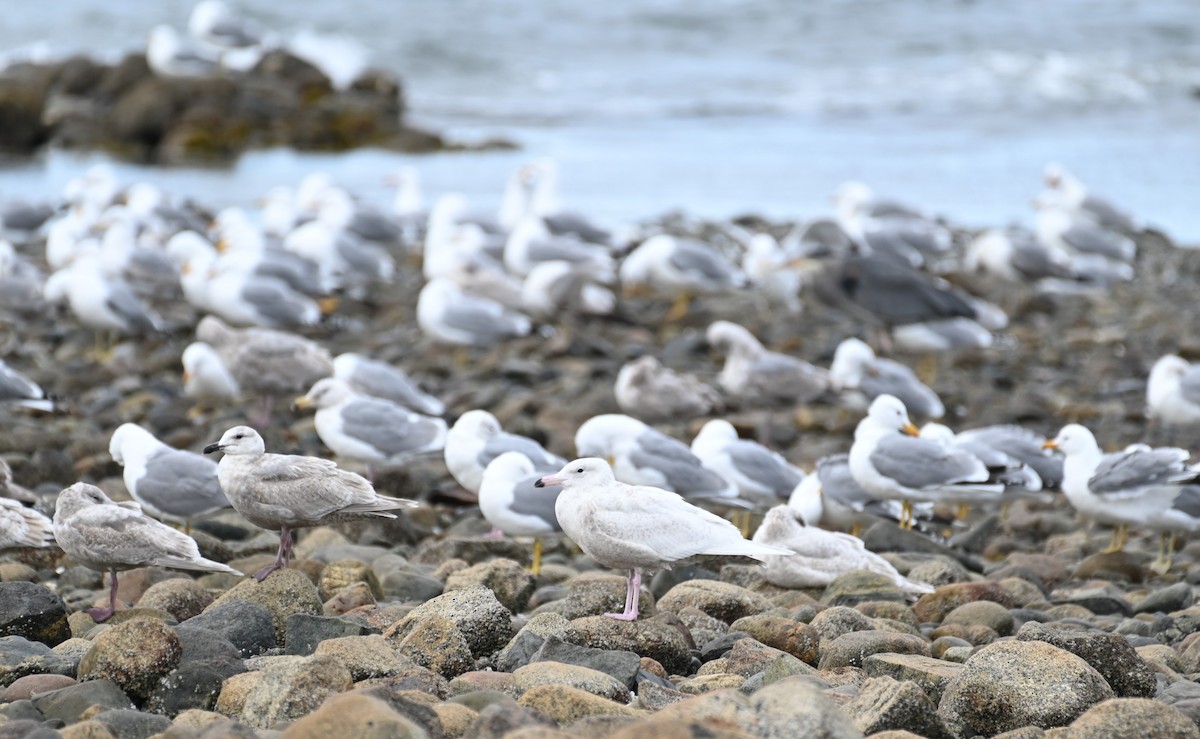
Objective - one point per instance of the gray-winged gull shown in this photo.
(760, 474)
(371, 430)
(1172, 391)
(512, 503)
(205, 376)
(476, 439)
(679, 268)
(17, 389)
(1074, 196)
(1058, 228)
(450, 315)
(641, 455)
(856, 370)
(819, 557)
(768, 267)
(638, 527)
(23, 527)
(652, 392)
(98, 302)
(830, 496)
(382, 380)
(170, 55)
(289, 491)
(1016, 255)
(1137, 486)
(170, 484)
(889, 230)
(214, 23)
(757, 376)
(530, 244)
(245, 298)
(1018, 478)
(553, 290)
(1022, 444)
(102, 535)
(892, 465)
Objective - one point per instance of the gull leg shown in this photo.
(1118, 541)
(1166, 547)
(856, 529)
(535, 567)
(1124, 535)
(462, 358)
(495, 533)
(281, 559)
(906, 515)
(927, 369)
(679, 307)
(100, 615)
(963, 511)
(263, 420)
(632, 586)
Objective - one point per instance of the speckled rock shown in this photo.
(23, 688)
(649, 638)
(849, 650)
(557, 673)
(135, 655)
(346, 572)
(1110, 654)
(797, 639)
(234, 692)
(1003, 687)
(837, 620)
(505, 718)
(565, 704)
(247, 625)
(975, 634)
(511, 583)
(860, 586)
(718, 599)
(934, 606)
(596, 593)
(982, 613)
(130, 724)
(34, 612)
(749, 657)
(68, 704)
(354, 715)
(623, 666)
(285, 592)
(710, 682)
(939, 571)
(521, 648)
(182, 597)
(1134, 718)
(355, 595)
(931, 675)
(484, 623)
(471, 551)
(293, 687)
(885, 704)
(20, 657)
(364, 656)
(90, 729)
(889, 610)
(456, 719)
(433, 641)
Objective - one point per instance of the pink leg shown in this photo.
(632, 593)
(100, 615)
(282, 558)
(495, 533)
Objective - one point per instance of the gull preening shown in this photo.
(107, 536)
(289, 491)
(638, 527)
(1173, 392)
(23, 527)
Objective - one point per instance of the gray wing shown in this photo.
(116, 535)
(1023, 444)
(23, 216)
(533, 501)
(565, 250)
(486, 321)
(891, 377)
(789, 376)
(702, 261)
(1189, 383)
(276, 303)
(839, 484)
(275, 362)
(372, 226)
(505, 442)
(301, 274)
(1089, 239)
(892, 245)
(1107, 214)
(364, 260)
(762, 466)
(391, 429)
(231, 34)
(1188, 501)
(1033, 260)
(895, 293)
(920, 463)
(181, 484)
(16, 386)
(882, 208)
(1125, 472)
(122, 301)
(385, 381)
(577, 225)
(306, 488)
(676, 462)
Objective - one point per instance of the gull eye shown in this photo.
(579, 470)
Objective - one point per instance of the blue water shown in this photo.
(719, 107)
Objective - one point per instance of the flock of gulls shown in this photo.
(253, 282)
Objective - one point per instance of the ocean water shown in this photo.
(722, 107)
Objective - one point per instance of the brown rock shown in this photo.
(456, 719)
(511, 583)
(24, 687)
(292, 687)
(135, 655)
(344, 573)
(932, 675)
(1134, 718)
(934, 606)
(983, 613)
(285, 592)
(354, 715)
(234, 692)
(434, 642)
(718, 599)
(180, 597)
(849, 650)
(365, 656)
(797, 639)
(349, 598)
(556, 673)
(650, 638)
(566, 704)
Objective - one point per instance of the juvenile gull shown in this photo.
(476, 439)
(23, 527)
(102, 535)
(1137, 486)
(819, 557)
(289, 491)
(450, 315)
(10, 490)
(757, 376)
(760, 474)
(17, 389)
(170, 484)
(513, 504)
(1172, 392)
(891, 462)
(370, 430)
(382, 380)
(643, 456)
(649, 391)
(856, 371)
(637, 527)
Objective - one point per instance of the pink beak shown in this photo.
(549, 480)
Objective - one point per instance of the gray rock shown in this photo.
(19, 711)
(20, 657)
(285, 592)
(293, 687)
(837, 620)
(1110, 654)
(749, 657)
(483, 621)
(1167, 600)
(191, 685)
(797, 639)
(1003, 686)
(596, 593)
(472, 551)
(886, 536)
(558, 673)
(849, 650)
(1134, 717)
(305, 631)
(500, 719)
(511, 583)
(796, 707)
(34, 612)
(67, 704)
(521, 648)
(720, 600)
(247, 625)
(135, 655)
(938, 571)
(982, 613)
(365, 656)
(860, 586)
(653, 696)
(410, 586)
(129, 724)
(719, 647)
(621, 665)
(1184, 695)
(885, 704)
(182, 597)
(433, 642)
(651, 638)
(208, 648)
(932, 675)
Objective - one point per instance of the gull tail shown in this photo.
(380, 506)
(746, 548)
(199, 564)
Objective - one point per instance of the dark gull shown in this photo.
(1172, 392)
(857, 371)
(649, 391)
(637, 527)
(102, 535)
(476, 438)
(170, 484)
(512, 503)
(289, 491)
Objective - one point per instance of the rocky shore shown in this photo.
(420, 627)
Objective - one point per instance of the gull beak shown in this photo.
(548, 480)
(302, 403)
(610, 459)
(1050, 444)
(222, 246)
(821, 491)
(801, 263)
(212, 448)
(186, 269)
(911, 429)
(187, 376)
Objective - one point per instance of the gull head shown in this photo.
(729, 336)
(77, 497)
(850, 359)
(1169, 367)
(599, 435)
(238, 440)
(125, 438)
(326, 393)
(888, 411)
(713, 437)
(512, 466)
(1073, 439)
(476, 424)
(579, 472)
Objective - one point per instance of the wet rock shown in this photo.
(306, 631)
(1134, 717)
(521, 648)
(68, 704)
(622, 666)
(849, 650)
(1167, 600)
(285, 592)
(718, 599)
(135, 655)
(20, 657)
(364, 656)
(246, 624)
(650, 638)
(290, 689)
(511, 583)
(34, 612)
(434, 642)
(982, 613)
(797, 639)
(132, 724)
(1003, 687)
(833, 622)
(354, 715)
(565, 704)
(1110, 654)
(934, 606)
(885, 704)
(183, 598)
(557, 673)
(931, 675)
(23, 688)
(484, 623)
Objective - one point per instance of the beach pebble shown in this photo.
(182, 597)
(124, 722)
(938, 571)
(557, 673)
(364, 656)
(89, 729)
(886, 704)
(456, 719)
(135, 655)
(720, 600)
(305, 631)
(432, 641)
(887, 609)
(934, 606)
(622, 666)
(1167, 600)
(748, 657)
(20, 657)
(356, 715)
(34, 612)
(860, 586)
(982, 613)
(68, 704)
(797, 639)
(511, 583)
(285, 592)
(187, 687)
(849, 650)
(346, 572)
(504, 718)
(471, 550)
(483, 622)
(837, 620)
(246, 624)
(410, 585)
(289, 689)
(525, 644)
(1003, 687)
(355, 595)
(1110, 654)
(1134, 717)
(478, 682)
(23, 688)
(566, 704)
(649, 638)
(594, 593)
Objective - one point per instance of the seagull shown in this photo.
(450, 315)
(530, 244)
(1019, 479)
(245, 298)
(9, 490)
(382, 380)
(1059, 229)
(679, 268)
(558, 289)
(1173, 392)
(759, 473)
(767, 267)
(170, 484)
(205, 376)
(890, 462)
(760, 377)
(288, 491)
(830, 496)
(638, 527)
(1017, 256)
(857, 371)
(17, 389)
(1020, 444)
(169, 55)
(23, 527)
(514, 504)
(100, 303)
(893, 231)
(1074, 196)
(476, 439)
(105, 536)
(649, 391)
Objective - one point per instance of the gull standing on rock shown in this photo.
(856, 369)
(639, 528)
(170, 484)
(512, 502)
(105, 536)
(679, 268)
(649, 391)
(289, 491)
(757, 376)
(476, 439)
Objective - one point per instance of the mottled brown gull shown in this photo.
(637, 527)
(289, 491)
(106, 536)
(647, 390)
(23, 527)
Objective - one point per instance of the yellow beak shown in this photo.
(187, 376)
(1050, 444)
(302, 403)
(910, 429)
(222, 246)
